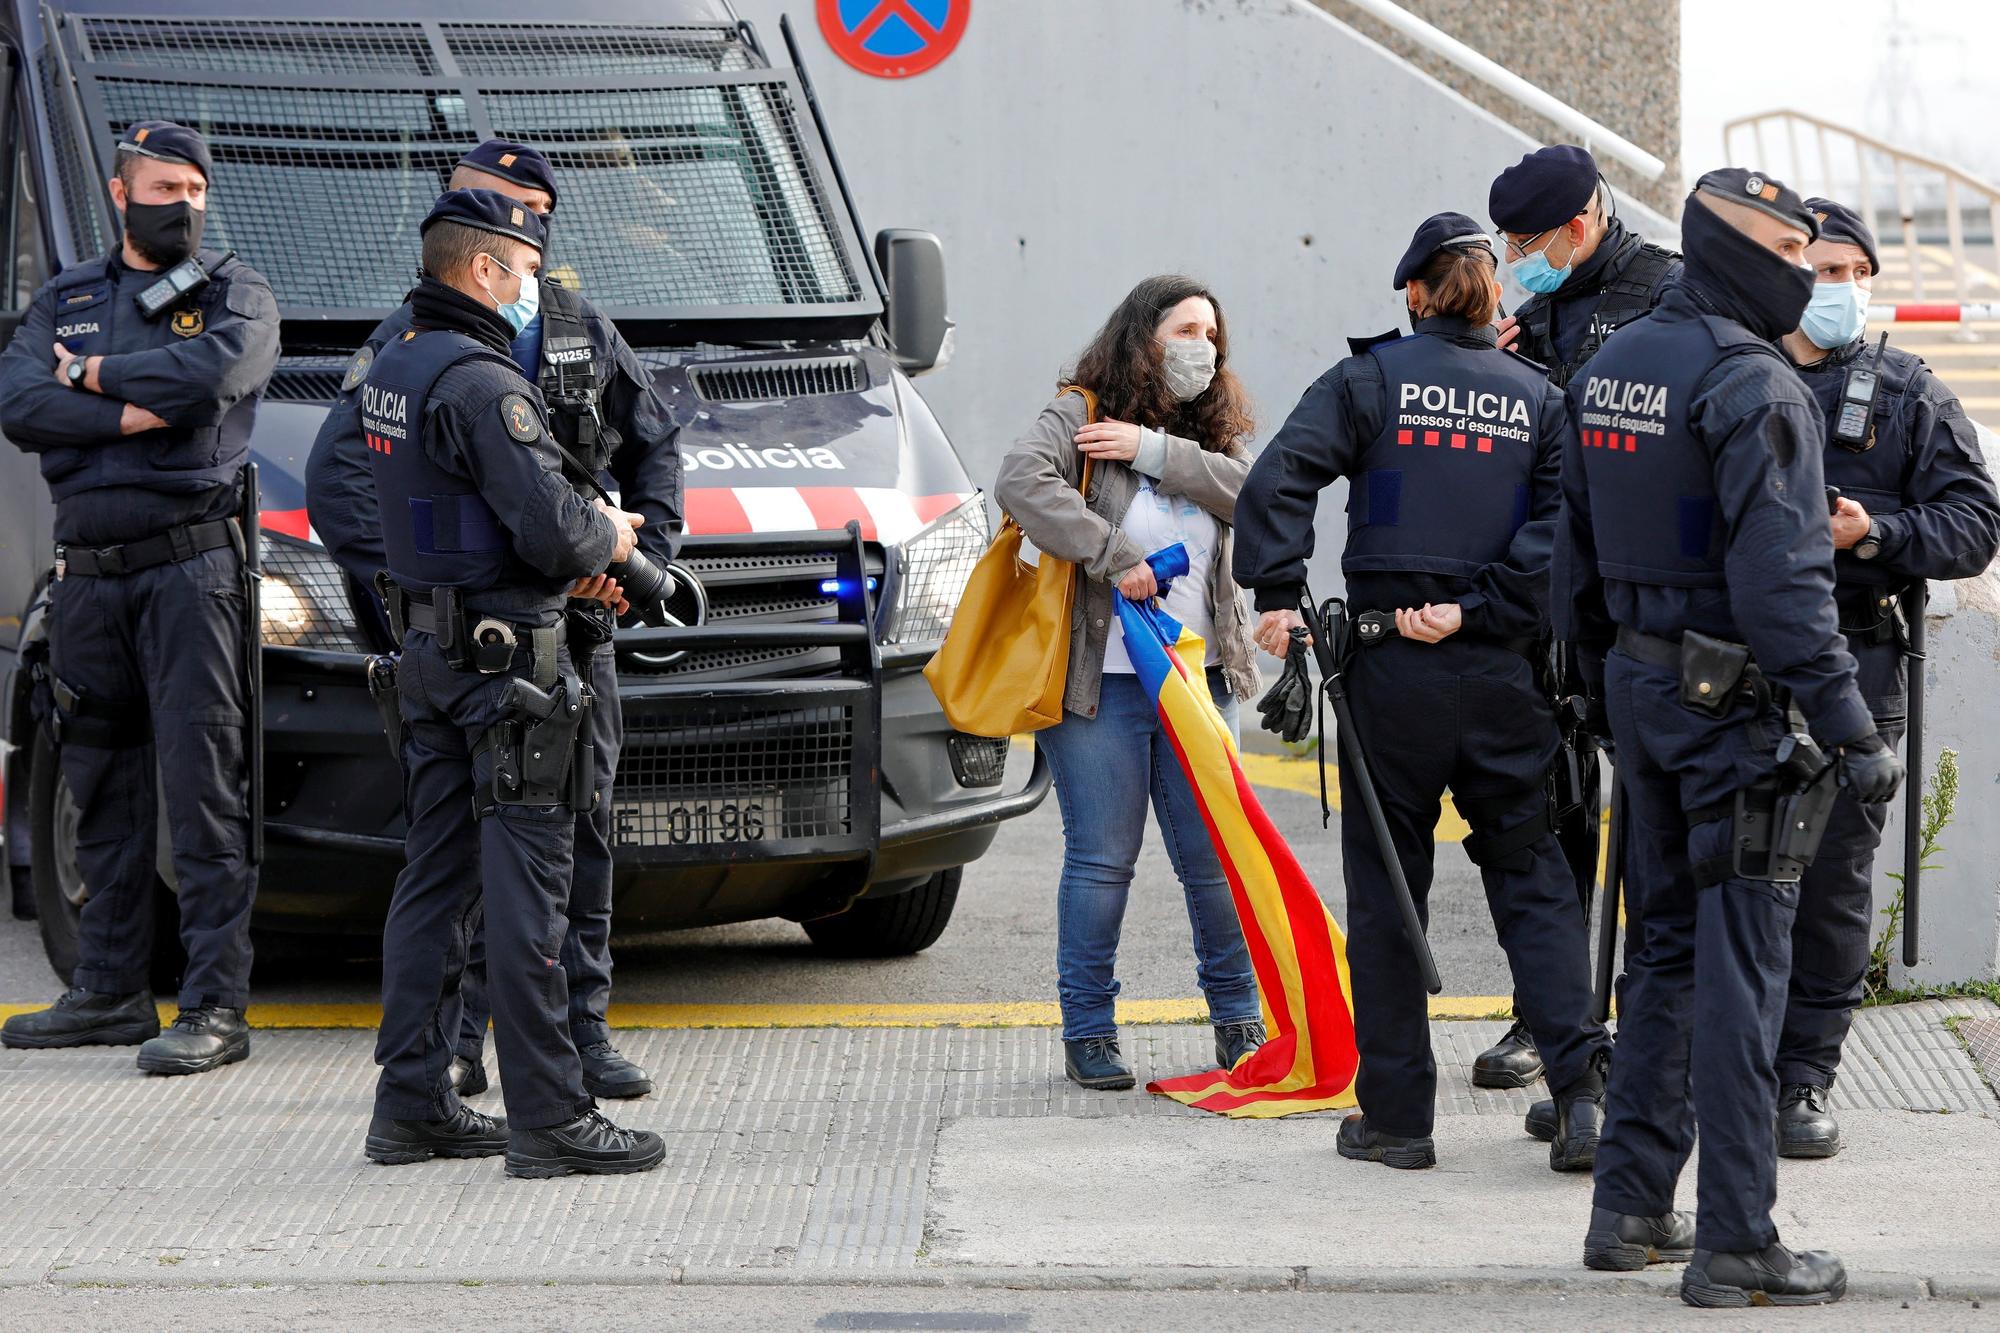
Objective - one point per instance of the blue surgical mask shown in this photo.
(1534, 272)
(521, 311)
(1836, 315)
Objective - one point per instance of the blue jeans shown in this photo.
(1105, 768)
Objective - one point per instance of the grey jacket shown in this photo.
(1037, 485)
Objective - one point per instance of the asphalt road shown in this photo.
(999, 947)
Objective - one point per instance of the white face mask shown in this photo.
(1189, 366)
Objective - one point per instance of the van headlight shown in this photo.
(302, 601)
(932, 570)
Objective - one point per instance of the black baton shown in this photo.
(1913, 779)
(253, 658)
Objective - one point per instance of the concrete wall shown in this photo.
(1067, 149)
(1617, 61)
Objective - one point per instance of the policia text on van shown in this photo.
(785, 757)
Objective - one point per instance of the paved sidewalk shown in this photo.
(930, 1157)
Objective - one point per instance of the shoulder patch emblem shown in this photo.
(357, 370)
(187, 323)
(520, 417)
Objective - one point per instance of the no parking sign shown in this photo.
(893, 39)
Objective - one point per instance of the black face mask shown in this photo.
(1757, 288)
(164, 234)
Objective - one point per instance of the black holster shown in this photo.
(382, 689)
(542, 754)
(1776, 823)
(107, 724)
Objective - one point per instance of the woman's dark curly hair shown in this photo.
(1122, 367)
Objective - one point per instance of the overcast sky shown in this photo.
(1923, 74)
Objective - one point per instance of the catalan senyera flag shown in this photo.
(1296, 949)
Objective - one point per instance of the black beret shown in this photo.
(1439, 231)
(514, 162)
(165, 141)
(1765, 193)
(1545, 189)
(1838, 222)
(489, 210)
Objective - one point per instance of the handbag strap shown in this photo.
(1089, 416)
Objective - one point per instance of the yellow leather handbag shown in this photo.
(1005, 660)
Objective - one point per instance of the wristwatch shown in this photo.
(75, 372)
(1869, 546)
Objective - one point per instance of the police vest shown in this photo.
(1630, 291)
(572, 380)
(436, 529)
(1443, 480)
(1873, 477)
(1653, 508)
(92, 319)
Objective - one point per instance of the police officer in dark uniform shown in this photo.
(1452, 450)
(1586, 275)
(605, 412)
(139, 394)
(1916, 502)
(1695, 553)
(484, 539)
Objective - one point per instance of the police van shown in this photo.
(783, 755)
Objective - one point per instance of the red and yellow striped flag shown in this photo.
(1296, 949)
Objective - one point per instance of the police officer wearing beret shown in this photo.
(1452, 450)
(485, 540)
(139, 394)
(1586, 275)
(604, 411)
(1695, 572)
(1916, 503)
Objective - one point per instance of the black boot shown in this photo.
(1580, 1118)
(589, 1145)
(468, 1076)
(609, 1074)
(1233, 1041)
(1770, 1276)
(1805, 1129)
(1362, 1144)
(467, 1134)
(1542, 1120)
(1621, 1243)
(1511, 1062)
(1094, 1062)
(85, 1018)
(201, 1039)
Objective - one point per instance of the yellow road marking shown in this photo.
(1001, 1014)
(1302, 775)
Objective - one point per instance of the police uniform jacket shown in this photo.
(1454, 450)
(1621, 281)
(645, 467)
(200, 365)
(1922, 477)
(1694, 500)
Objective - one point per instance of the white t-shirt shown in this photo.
(1158, 520)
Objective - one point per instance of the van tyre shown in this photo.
(58, 884)
(893, 927)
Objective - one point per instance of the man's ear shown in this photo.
(117, 184)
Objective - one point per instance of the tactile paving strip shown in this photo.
(807, 1148)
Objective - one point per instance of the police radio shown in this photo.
(1857, 403)
(182, 279)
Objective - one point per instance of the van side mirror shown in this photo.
(912, 263)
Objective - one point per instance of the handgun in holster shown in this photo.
(382, 689)
(542, 753)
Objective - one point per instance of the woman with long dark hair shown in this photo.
(1168, 456)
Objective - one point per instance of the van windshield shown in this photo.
(674, 191)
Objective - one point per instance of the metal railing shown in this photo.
(1911, 175)
(1596, 137)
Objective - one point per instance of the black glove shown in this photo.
(1287, 706)
(1870, 770)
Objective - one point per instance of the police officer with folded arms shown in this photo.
(1586, 275)
(1695, 571)
(484, 540)
(136, 377)
(1916, 502)
(1452, 451)
(612, 424)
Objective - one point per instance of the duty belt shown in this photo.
(541, 643)
(165, 548)
(1649, 648)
